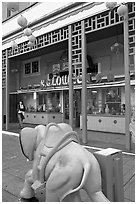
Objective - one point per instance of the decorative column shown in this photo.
(123, 11)
(70, 79)
(84, 85)
(7, 90)
(127, 82)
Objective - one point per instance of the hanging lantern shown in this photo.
(22, 21)
(64, 56)
(14, 45)
(27, 31)
(116, 48)
(122, 10)
(111, 5)
(32, 38)
(31, 44)
(13, 6)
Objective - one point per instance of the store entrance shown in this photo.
(13, 108)
(76, 106)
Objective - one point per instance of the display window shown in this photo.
(49, 102)
(105, 101)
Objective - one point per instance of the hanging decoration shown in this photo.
(122, 10)
(14, 44)
(27, 31)
(64, 56)
(31, 44)
(111, 5)
(116, 48)
(22, 21)
(32, 38)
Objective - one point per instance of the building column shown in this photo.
(70, 79)
(7, 91)
(84, 85)
(127, 82)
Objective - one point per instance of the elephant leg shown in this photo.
(27, 192)
(61, 181)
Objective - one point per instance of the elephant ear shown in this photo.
(27, 142)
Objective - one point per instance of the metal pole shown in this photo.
(7, 92)
(84, 85)
(70, 79)
(127, 82)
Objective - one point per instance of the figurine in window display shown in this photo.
(20, 110)
(58, 107)
(107, 109)
(49, 105)
(89, 108)
(123, 109)
(113, 111)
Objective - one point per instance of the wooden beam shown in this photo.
(127, 83)
(84, 85)
(7, 91)
(70, 79)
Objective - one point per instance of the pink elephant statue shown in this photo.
(61, 166)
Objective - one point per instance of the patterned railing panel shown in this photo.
(41, 41)
(102, 20)
(131, 9)
(76, 49)
(4, 58)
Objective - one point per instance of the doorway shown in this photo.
(13, 99)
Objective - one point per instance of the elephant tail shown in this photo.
(87, 168)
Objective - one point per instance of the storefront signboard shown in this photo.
(59, 81)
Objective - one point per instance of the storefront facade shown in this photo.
(41, 75)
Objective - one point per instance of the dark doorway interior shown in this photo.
(13, 108)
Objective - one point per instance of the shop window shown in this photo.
(31, 68)
(113, 102)
(105, 101)
(49, 102)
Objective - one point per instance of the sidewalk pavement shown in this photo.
(15, 166)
